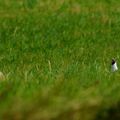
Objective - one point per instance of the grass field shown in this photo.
(56, 56)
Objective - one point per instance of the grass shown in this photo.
(56, 57)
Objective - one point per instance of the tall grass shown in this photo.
(56, 57)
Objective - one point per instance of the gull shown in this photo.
(114, 65)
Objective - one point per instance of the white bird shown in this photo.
(114, 65)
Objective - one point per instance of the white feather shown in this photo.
(114, 67)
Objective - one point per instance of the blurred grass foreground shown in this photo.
(55, 56)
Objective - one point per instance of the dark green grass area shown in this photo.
(56, 58)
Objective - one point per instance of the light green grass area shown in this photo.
(56, 57)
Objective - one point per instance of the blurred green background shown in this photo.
(56, 58)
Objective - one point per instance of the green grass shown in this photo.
(56, 57)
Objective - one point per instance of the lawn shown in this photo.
(56, 57)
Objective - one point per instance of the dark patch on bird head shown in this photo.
(113, 61)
